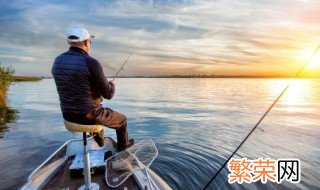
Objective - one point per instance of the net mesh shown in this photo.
(145, 151)
(122, 165)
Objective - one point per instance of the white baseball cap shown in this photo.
(78, 35)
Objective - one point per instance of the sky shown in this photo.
(171, 37)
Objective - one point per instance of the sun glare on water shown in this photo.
(300, 93)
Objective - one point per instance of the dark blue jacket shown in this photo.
(80, 82)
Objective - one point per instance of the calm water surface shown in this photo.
(195, 123)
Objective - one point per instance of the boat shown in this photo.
(56, 172)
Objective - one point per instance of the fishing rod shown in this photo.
(121, 68)
(261, 119)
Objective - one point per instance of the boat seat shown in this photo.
(75, 127)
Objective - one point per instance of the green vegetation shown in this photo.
(7, 115)
(6, 77)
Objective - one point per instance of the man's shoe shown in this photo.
(129, 144)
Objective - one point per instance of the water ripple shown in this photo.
(195, 123)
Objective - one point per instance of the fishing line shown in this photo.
(121, 68)
(264, 115)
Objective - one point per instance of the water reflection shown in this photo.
(291, 130)
(300, 92)
(7, 115)
(195, 123)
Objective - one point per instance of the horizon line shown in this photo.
(195, 76)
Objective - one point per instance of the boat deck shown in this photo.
(63, 181)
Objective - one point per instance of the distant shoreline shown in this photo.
(210, 76)
(26, 79)
(191, 76)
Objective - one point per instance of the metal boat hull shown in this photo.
(54, 172)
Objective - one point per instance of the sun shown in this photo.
(312, 69)
(314, 62)
(308, 53)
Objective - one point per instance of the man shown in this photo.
(81, 86)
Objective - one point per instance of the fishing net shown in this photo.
(145, 151)
(122, 165)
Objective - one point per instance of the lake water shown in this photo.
(195, 123)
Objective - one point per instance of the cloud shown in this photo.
(184, 36)
(19, 58)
